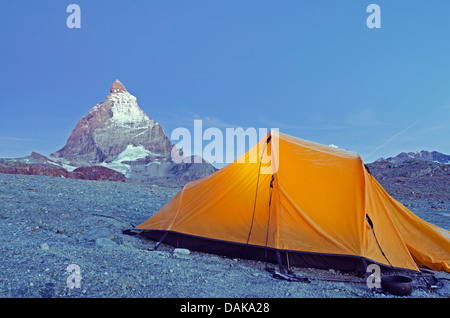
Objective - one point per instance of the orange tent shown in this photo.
(304, 204)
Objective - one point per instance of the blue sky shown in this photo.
(313, 69)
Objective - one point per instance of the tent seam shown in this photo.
(178, 210)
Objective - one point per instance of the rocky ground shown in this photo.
(47, 224)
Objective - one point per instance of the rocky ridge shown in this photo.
(37, 164)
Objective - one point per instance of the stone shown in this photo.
(45, 247)
(181, 253)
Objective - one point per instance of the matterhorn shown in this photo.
(110, 127)
(119, 135)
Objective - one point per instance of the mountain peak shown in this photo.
(117, 87)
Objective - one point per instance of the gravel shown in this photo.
(63, 238)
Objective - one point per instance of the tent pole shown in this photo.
(280, 264)
(287, 262)
(160, 241)
(268, 218)
(364, 264)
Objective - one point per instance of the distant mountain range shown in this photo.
(419, 155)
(116, 140)
(411, 164)
(414, 175)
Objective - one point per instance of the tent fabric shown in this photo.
(317, 204)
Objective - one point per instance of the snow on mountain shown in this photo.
(133, 153)
(127, 113)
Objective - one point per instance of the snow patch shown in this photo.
(131, 153)
(62, 163)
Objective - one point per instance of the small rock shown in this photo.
(45, 247)
(181, 253)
